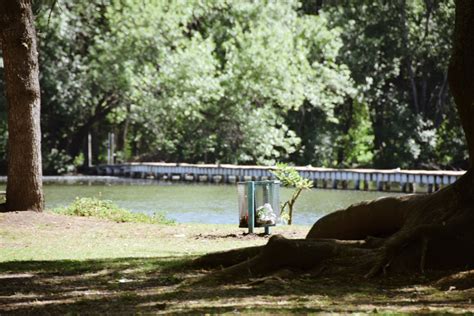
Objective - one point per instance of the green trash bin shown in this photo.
(259, 204)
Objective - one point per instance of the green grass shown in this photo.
(57, 237)
(55, 264)
(104, 209)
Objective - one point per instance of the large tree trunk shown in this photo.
(18, 39)
(461, 70)
(414, 232)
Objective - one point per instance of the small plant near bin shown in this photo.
(289, 177)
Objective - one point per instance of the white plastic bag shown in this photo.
(265, 215)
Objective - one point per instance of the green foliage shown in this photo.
(94, 207)
(189, 81)
(398, 52)
(57, 162)
(79, 160)
(358, 142)
(289, 177)
(449, 144)
(334, 84)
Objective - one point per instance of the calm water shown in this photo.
(191, 203)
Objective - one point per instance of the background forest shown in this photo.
(342, 83)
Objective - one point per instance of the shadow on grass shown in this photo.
(131, 285)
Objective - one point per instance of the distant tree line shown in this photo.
(329, 83)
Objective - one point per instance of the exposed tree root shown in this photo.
(458, 281)
(412, 233)
(381, 217)
(226, 258)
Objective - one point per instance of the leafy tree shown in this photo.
(398, 55)
(230, 79)
(83, 78)
(327, 83)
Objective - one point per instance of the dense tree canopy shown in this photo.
(327, 83)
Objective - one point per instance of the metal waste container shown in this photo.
(259, 204)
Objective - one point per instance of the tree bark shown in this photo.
(18, 40)
(107, 103)
(461, 70)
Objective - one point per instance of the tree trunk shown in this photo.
(18, 39)
(461, 70)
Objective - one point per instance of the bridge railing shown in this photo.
(358, 179)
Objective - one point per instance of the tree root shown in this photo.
(281, 253)
(415, 232)
(225, 258)
(447, 239)
(458, 281)
(381, 217)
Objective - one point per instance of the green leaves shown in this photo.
(225, 74)
(397, 52)
(358, 84)
(289, 177)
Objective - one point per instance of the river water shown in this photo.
(190, 203)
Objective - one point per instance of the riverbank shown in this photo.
(191, 202)
(56, 264)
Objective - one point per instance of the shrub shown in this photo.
(94, 207)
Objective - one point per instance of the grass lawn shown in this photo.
(56, 264)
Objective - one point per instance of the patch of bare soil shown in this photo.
(62, 223)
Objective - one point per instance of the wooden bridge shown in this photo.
(357, 179)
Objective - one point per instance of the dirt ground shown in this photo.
(65, 224)
(53, 264)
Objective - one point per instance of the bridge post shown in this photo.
(365, 185)
(430, 188)
(380, 186)
(404, 187)
(344, 184)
